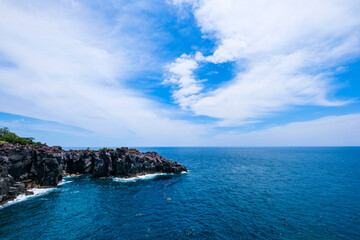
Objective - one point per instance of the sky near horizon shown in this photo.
(181, 72)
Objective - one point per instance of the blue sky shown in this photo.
(181, 72)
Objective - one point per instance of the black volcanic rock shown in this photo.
(122, 162)
(130, 162)
(46, 168)
(23, 167)
(102, 164)
(20, 160)
(78, 162)
(5, 179)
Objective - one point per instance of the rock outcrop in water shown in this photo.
(23, 167)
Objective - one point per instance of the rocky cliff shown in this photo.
(24, 167)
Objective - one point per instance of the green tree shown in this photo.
(4, 131)
(7, 136)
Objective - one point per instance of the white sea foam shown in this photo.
(64, 182)
(143, 177)
(37, 192)
(22, 197)
(42, 191)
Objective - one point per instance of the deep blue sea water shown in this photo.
(229, 193)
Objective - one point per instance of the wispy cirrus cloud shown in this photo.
(71, 67)
(286, 49)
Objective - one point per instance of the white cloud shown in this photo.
(69, 68)
(288, 48)
(181, 74)
(327, 131)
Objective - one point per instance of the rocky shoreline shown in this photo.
(23, 167)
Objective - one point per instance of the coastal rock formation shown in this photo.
(5, 179)
(23, 167)
(27, 166)
(122, 162)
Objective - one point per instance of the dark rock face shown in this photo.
(5, 179)
(122, 162)
(74, 162)
(23, 167)
(128, 163)
(46, 169)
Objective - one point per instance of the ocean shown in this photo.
(228, 193)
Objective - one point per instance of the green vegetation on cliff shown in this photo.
(9, 137)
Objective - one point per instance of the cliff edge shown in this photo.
(23, 167)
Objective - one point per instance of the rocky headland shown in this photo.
(23, 167)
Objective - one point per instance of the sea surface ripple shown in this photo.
(229, 193)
